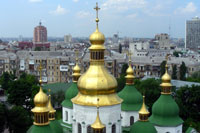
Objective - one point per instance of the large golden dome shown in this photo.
(97, 82)
(40, 101)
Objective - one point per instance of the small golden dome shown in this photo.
(129, 73)
(76, 69)
(50, 107)
(97, 38)
(143, 110)
(97, 124)
(40, 101)
(166, 79)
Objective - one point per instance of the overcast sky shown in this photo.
(130, 18)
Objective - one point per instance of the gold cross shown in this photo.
(167, 57)
(129, 53)
(76, 52)
(40, 70)
(97, 9)
(49, 90)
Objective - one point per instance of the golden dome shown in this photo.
(50, 107)
(143, 113)
(76, 70)
(97, 37)
(97, 124)
(97, 82)
(40, 101)
(129, 73)
(166, 79)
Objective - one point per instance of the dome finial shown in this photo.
(50, 107)
(129, 72)
(41, 100)
(98, 126)
(143, 113)
(97, 17)
(166, 80)
(76, 70)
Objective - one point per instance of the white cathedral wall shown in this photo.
(65, 112)
(126, 117)
(86, 115)
(177, 129)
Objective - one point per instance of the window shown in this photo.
(89, 129)
(113, 128)
(79, 128)
(66, 117)
(131, 120)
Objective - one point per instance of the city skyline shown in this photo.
(131, 18)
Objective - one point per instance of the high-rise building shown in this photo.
(67, 38)
(193, 34)
(40, 33)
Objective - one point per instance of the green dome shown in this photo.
(70, 93)
(132, 99)
(40, 129)
(143, 127)
(165, 112)
(56, 127)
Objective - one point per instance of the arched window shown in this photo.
(104, 130)
(79, 128)
(131, 120)
(113, 128)
(89, 129)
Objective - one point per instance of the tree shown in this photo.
(120, 48)
(19, 120)
(150, 88)
(5, 80)
(38, 49)
(22, 91)
(174, 72)
(57, 98)
(2, 117)
(188, 100)
(162, 68)
(183, 70)
(122, 80)
(195, 77)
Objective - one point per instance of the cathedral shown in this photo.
(92, 104)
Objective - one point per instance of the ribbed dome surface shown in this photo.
(143, 127)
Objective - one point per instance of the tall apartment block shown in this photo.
(193, 34)
(40, 34)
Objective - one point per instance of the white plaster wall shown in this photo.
(177, 129)
(126, 117)
(86, 115)
(70, 115)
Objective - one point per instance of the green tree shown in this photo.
(57, 98)
(5, 80)
(195, 77)
(19, 120)
(162, 68)
(174, 72)
(22, 91)
(188, 100)
(2, 117)
(122, 80)
(150, 88)
(183, 70)
(38, 49)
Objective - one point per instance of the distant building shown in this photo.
(115, 38)
(40, 34)
(193, 34)
(68, 38)
(162, 41)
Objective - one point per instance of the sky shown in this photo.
(128, 18)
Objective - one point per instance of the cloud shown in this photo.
(75, 0)
(123, 5)
(134, 15)
(82, 14)
(59, 11)
(35, 1)
(189, 8)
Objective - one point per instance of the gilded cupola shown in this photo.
(129, 72)
(41, 110)
(76, 70)
(52, 111)
(96, 81)
(166, 80)
(98, 126)
(143, 113)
